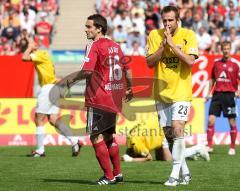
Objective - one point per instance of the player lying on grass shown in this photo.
(141, 141)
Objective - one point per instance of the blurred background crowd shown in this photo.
(24, 19)
(130, 21)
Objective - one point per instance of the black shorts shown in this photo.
(99, 121)
(223, 102)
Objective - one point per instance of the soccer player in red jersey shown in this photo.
(108, 82)
(225, 76)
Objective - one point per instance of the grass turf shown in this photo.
(59, 171)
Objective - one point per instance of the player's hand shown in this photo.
(149, 157)
(237, 94)
(128, 95)
(168, 37)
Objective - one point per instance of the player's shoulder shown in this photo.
(217, 60)
(235, 62)
(156, 32)
(186, 31)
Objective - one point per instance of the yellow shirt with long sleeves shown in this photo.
(44, 67)
(172, 77)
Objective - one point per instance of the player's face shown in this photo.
(226, 50)
(170, 21)
(91, 31)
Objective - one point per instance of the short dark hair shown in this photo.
(225, 43)
(99, 22)
(170, 8)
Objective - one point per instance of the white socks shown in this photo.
(40, 139)
(178, 156)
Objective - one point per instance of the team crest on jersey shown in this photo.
(224, 65)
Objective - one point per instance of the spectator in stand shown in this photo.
(43, 27)
(12, 18)
(216, 7)
(45, 10)
(119, 35)
(199, 22)
(234, 39)
(187, 20)
(204, 40)
(124, 20)
(232, 20)
(135, 50)
(164, 3)
(6, 49)
(135, 35)
(27, 23)
(216, 21)
(137, 9)
(139, 22)
(216, 41)
(184, 6)
(31, 13)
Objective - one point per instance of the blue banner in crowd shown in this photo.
(68, 56)
(222, 124)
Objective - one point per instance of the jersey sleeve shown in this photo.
(37, 56)
(150, 44)
(90, 58)
(191, 44)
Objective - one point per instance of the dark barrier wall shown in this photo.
(16, 77)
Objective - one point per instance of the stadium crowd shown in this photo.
(214, 21)
(22, 19)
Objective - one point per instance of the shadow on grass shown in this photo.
(70, 181)
(93, 183)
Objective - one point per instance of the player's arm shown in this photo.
(27, 53)
(211, 86)
(129, 92)
(154, 58)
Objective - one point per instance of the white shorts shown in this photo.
(44, 104)
(168, 112)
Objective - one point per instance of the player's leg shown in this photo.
(180, 112)
(165, 120)
(215, 110)
(65, 130)
(233, 134)
(95, 126)
(197, 149)
(229, 111)
(210, 132)
(163, 153)
(40, 133)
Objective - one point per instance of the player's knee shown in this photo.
(96, 138)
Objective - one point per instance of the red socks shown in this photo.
(233, 134)
(103, 157)
(113, 149)
(210, 133)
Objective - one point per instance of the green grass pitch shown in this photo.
(59, 171)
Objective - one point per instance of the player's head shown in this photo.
(226, 48)
(96, 25)
(170, 17)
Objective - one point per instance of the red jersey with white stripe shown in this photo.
(226, 74)
(106, 86)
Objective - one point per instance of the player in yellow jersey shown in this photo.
(45, 108)
(172, 52)
(141, 141)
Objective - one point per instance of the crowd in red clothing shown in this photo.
(24, 19)
(214, 21)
